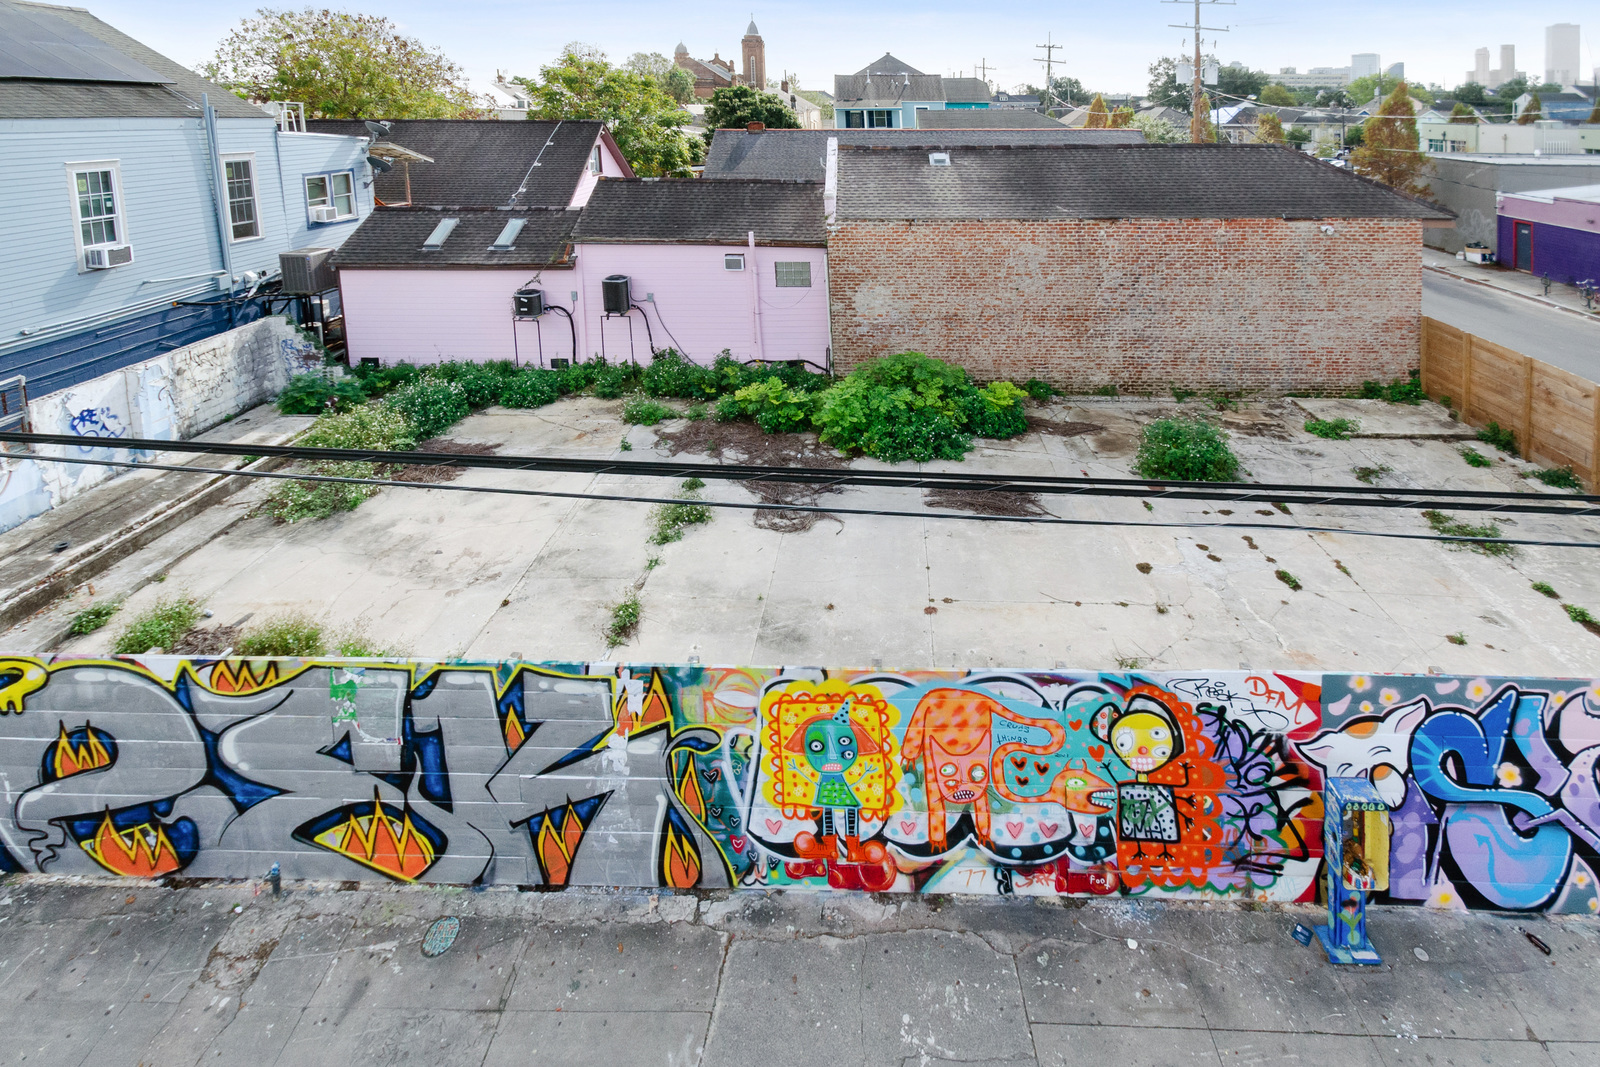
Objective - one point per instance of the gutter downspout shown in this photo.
(220, 194)
(830, 209)
(755, 297)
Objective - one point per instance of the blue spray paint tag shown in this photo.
(1301, 933)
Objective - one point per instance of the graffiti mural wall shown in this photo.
(1029, 783)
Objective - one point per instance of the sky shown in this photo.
(1107, 46)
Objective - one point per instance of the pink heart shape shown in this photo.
(1049, 828)
(908, 828)
(773, 826)
(1015, 828)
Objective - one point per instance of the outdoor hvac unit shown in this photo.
(307, 270)
(529, 303)
(324, 213)
(106, 258)
(617, 293)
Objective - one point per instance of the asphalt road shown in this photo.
(1557, 337)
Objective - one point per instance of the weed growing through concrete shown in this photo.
(370, 426)
(1147, 505)
(641, 412)
(1475, 458)
(1129, 663)
(1186, 450)
(1546, 589)
(624, 621)
(92, 618)
(626, 445)
(1181, 394)
(1161, 609)
(1456, 638)
(670, 519)
(1039, 389)
(1447, 526)
(1579, 615)
(289, 634)
(1370, 475)
(652, 563)
(1343, 569)
(1288, 579)
(695, 413)
(1332, 429)
(158, 626)
(1399, 391)
(1557, 478)
(1500, 437)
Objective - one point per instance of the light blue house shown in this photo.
(145, 207)
(889, 93)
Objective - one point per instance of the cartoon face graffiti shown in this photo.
(1025, 776)
(830, 745)
(961, 777)
(1143, 739)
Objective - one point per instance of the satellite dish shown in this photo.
(381, 166)
(378, 129)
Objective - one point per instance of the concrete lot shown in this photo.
(137, 973)
(437, 573)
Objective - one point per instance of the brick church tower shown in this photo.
(755, 58)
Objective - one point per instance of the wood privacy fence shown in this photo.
(1554, 413)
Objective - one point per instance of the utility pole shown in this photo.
(1048, 60)
(984, 68)
(1197, 123)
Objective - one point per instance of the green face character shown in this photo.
(830, 745)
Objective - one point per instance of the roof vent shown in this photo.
(938, 159)
(508, 236)
(440, 232)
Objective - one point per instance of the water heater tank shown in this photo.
(617, 294)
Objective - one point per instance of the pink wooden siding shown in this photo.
(610, 167)
(428, 316)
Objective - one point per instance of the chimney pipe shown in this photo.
(755, 127)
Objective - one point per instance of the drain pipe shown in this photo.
(220, 185)
(755, 296)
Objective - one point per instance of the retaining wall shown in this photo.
(1031, 783)
(172, 398)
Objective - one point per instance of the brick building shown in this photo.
(1142, 266)
(718, 73)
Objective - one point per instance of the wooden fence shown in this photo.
(1554, 413)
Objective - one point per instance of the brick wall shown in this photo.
(1144, 304)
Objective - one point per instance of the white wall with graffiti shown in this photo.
(172, 398)
(1053, 782)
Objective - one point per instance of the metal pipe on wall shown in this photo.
(755, 296)
(220, 183)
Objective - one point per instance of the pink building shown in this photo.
(702, 267)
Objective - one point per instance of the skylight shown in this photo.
(508, 236)
(440, 232)
(938, 159)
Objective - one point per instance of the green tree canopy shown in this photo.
(1240, 81)
(1277, 96)
(1532, 111)
(642, 118)
(1157, 131)
(1099, 117)
(1462, 115)
(737, 106)
(673, 79)
(1470, 93)
(341, 66)
(1389, 150)
(1298, 136)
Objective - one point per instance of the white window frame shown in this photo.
(596, 161)
(255, 196)
(328, 201)
(121, 212)
(733, 261)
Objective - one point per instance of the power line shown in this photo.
(1043, 520)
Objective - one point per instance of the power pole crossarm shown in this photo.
(1197, 121)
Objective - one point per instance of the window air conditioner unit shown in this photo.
(107, 257)
(324, 214)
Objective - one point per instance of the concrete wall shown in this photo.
(1033, 783)
(1143, 304)
(172, 398)
(1468, 186)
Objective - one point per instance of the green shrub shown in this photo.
(531, 388)
(608, 381)
(481, 384)
(1186, 450)
(900, 407)
(1558, 478)
(1039, 389)
(1400, 391)
(1447, 526)
(1501, 438)
(695, 413)
(1475, 458)
(370, 426)
(775, 407)
(431, 405)
(380, 381)
(313, 394)
(289, 634)
(93, 617)
(994, 411)
(1546, 589)
(1579, 615)
(624, 621)
(641, 412)
(670, 374)
(1332, 429)
(158, 626)
(670, 519)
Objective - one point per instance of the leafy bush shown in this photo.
(1039, 389)
(313, 394)
(1332, 429)
(775, 407)
(1186, 450)
(898, 408)
(994, 411)
(431, 405)
(1558, 478)
(482, 383)
(380, 381)
(92, 618)
(1475, 458)
(670, 374)
(641, 412)
(371, 426)
(1503, 439)
(158, 626)
(1399, 391)
(531, 389)
(611, 380)
(289, 634)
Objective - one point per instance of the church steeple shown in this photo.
(754, 50)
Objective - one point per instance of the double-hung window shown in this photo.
(99, 205)
(332, 191)
(244, 216)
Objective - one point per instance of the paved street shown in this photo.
(143, 974)
(1557, 337)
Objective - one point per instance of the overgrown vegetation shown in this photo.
(1448, 526)
(1579, 615)
(1288, 579)
(289, 634)
(1500, 437)
(1475, 458)
(1546, 589)
(158, 626)
(370, 426)
(1558, 478)
(1400, 391)
(1039, 389)
(1186, 450)
(624, 621)
(1457, 638)
(638, 411)
(1332, 429)
(93, 617)
(313, 394)
(1370, 475)
(670, 519)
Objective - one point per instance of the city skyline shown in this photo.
(1436, 43)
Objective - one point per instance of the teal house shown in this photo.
(890, 94)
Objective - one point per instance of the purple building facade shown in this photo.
(1553, 233)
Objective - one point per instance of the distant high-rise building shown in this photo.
(1364, 64)
(1493, 79)
(1480, 67)
(1396, 70)
(1561, 53)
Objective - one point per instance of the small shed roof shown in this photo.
(692, 211)
(394, 238)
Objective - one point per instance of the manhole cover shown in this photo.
(440, 936)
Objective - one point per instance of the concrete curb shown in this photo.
(1588, 316)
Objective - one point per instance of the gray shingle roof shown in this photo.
(691, 211)
(967, 90)
(1115, 181)
(888, 64)
(998, 118)
(51, 99)
(394, 237)
(797, 155)
(886, 89)
(482, 162)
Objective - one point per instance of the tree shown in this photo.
(642, 118)
(1470, 93)
(1462, 115)
(1594, 116)
(1298, 136)
(1164, 86)
(341, 66)
(1240, 81)
(1532, 112)
(737, 106)
(1507, 92)
(1269, 129)
(1335, 97)
(1121, 118)
(1061, 92)
(1157, 131)
(1389, 150)
(673, 79)
(1201, 129)
(1355, 136)
(679, 85)
(1277, 96)
(1099, 117)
